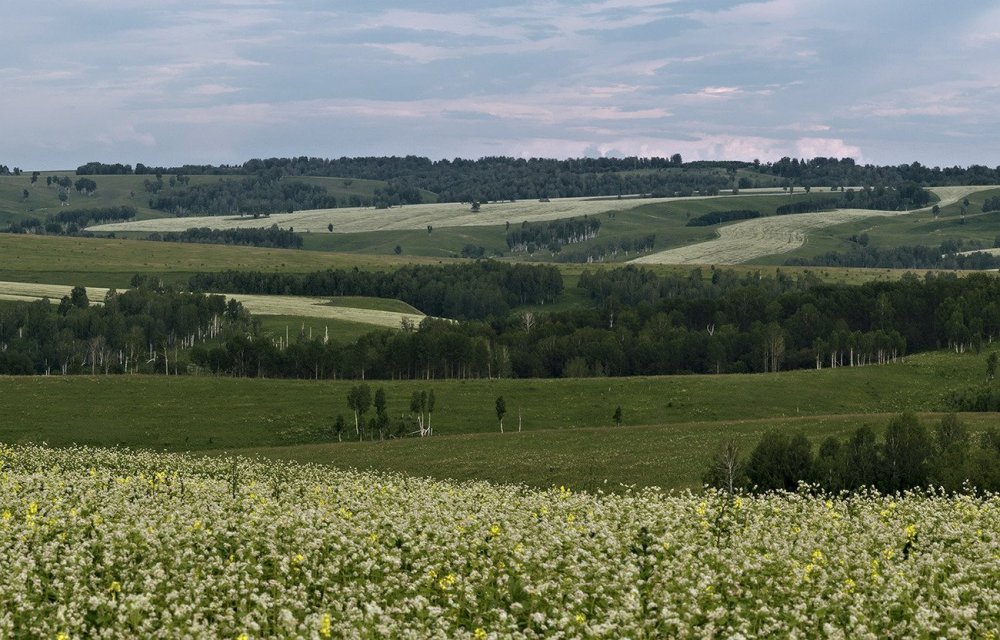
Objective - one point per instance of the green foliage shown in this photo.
(719, 217)
(479, 290)
(908, 457)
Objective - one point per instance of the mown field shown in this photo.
(920, 229)
(155, 545)
(671, 424)
(453, 225)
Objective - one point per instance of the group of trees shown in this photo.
(908, 456)
(822, 171)
(599, 251)
(71, 221)
(718, 217)
(140, 330)
(807, 206)
(256, 195)
(270, 237)
(991, 204)
(551, 235)
(640, 323)
(861, 254)
(360, 400)
(479, 290)
(645, 324)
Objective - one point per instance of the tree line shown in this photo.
(478, 290)
(552, 235)
(843, 172)
(945, 256)
(140, 330)
(71, 221)
(247, 196)
(908, 456)
(671, 324)
(600, 251)
(503, 178)
(719, 217)
(270, 237)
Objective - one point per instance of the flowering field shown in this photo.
(108, 543)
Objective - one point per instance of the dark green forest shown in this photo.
(637, 323)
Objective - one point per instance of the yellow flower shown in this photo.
(580, 618)
(116, 587)
(495, 530)
(298, 558)
(911, 531)
(325, 626)
(479, 633)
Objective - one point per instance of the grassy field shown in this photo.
(112, 262)
(671, 423)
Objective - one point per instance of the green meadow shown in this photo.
(670, 426)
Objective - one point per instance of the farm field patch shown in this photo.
(279, 550)
(410, 217)
(761, 237)
(263, 305)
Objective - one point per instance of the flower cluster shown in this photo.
(111, 543)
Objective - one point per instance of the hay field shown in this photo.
(752, 239)
(263, 305)
(407, 218)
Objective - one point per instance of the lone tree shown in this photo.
(359, 399)
(501, 407)
(727, 468)
(991, 366)
(430, 410)
(418, 402)
(381, 420)
(618, 416)
(338, 427)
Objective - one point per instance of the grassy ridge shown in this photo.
(128, 190)
(103, 262)
(565, 422)
(112, 262)
(920, 229)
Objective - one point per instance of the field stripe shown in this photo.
(760, 237)
(411, 217)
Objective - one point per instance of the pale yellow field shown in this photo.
(760, 237)
(255, 304)
(407, 218)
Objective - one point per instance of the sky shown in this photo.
(169, 82)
